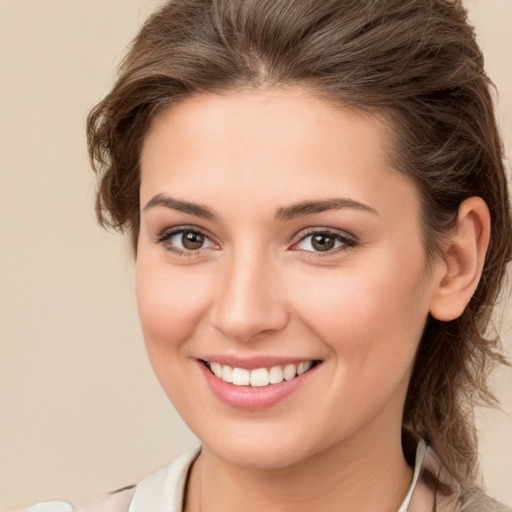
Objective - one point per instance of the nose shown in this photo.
(249, 303)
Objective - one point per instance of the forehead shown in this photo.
(281, 143)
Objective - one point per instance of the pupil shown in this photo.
(323, 242)
(191, 240)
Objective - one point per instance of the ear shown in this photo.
(463, 259)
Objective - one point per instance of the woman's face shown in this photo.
(274, 232)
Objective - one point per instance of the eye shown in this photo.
(185, 240)
(324, 241)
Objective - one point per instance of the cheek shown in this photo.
(170, 303)
(369, 311)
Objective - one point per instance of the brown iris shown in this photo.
(323, 242)
(192, 240)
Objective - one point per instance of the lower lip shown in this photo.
(253, 398)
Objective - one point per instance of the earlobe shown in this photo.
(463, 261)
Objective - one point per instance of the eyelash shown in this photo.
(165, 239)
(346, 242)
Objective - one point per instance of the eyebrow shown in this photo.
(293, 211)
(311, 207)
(181, 206)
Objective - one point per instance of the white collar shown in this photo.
(163, 491)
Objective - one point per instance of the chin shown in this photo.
(256, 457)
(259, 450)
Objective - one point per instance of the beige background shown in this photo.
(80, 410)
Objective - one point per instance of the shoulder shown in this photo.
(477, 501)
(51, 506)
(118, 501)
(162, 491)
(434, 489)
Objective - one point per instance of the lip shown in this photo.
(249, 397)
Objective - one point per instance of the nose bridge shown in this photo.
(248, 301)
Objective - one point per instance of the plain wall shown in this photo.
(80, 410)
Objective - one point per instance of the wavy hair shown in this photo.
(415, 62)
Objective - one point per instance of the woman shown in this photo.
(317, 203)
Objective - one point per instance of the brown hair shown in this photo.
(414, 61)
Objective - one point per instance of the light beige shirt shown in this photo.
(432, 489)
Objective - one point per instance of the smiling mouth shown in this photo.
(259, 377)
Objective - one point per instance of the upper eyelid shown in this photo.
(170, 231)
(165, 236)
(348, 242)
(167, 233)
(304, 233)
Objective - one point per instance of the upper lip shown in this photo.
(254, 362)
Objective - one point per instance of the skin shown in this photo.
(258, 287)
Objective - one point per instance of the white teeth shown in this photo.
(304, 367)
(216, 368)
(241, 377)
(260, 377)
(227, 373)
(290, 370)
(275, 375)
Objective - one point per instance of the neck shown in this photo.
(366, 472)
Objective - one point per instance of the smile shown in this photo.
(259, 377)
